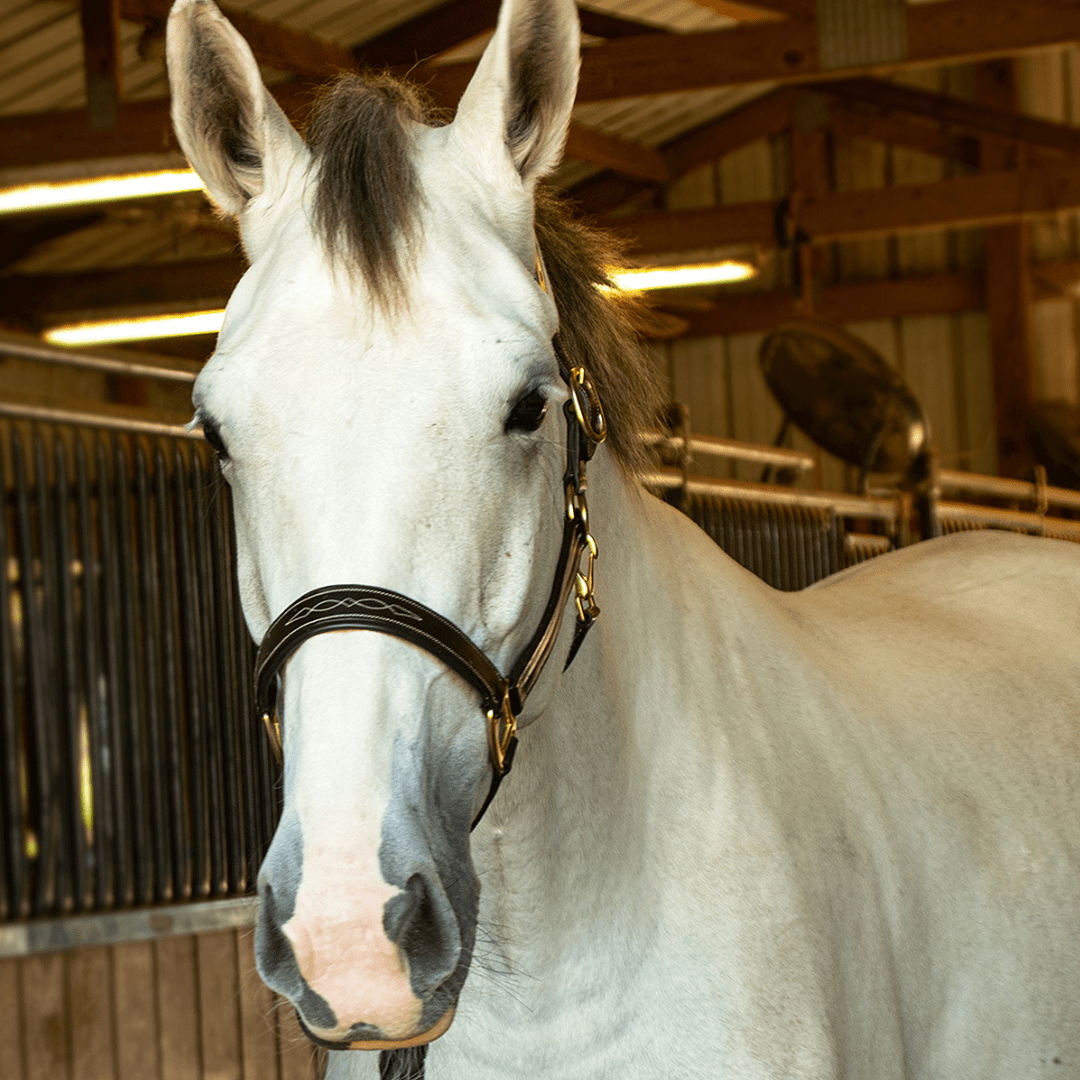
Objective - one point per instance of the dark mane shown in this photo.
(365, 200)
(600, 329)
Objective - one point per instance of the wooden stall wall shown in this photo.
(946, 359)
(190, 1007)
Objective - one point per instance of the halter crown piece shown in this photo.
(365, 607)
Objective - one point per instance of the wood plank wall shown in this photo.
(180, 1008)
(945, 358)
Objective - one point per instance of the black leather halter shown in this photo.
(364, 607)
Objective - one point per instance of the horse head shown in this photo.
(386, 405)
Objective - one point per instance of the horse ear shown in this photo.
(233, 132)
(524, 86)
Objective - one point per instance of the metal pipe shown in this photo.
(48, 414)
(1000, 487)
(993, 517)
(711, 446)
(866, 544)
(860, 506)
(26, 347)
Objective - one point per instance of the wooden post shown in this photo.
(1008, 293)
(809, 179)
(101, 59)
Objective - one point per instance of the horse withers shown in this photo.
(748, 834)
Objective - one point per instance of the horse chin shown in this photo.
(438, 1028)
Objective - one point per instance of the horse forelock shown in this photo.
(366, 210)
(366, 189)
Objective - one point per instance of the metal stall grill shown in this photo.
(789, 547)
(132, 773)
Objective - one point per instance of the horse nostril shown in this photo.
(400, 910)
(416, 923)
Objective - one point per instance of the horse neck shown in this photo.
(568, 839)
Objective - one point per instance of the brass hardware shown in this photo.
(499, 740)
(273, 729)
(583, 583)
(541, 277)
(587, 407)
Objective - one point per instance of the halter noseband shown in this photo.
(364, 607)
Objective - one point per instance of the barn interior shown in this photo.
(897, 177)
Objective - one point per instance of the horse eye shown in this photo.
(212, 435)
(528, 414)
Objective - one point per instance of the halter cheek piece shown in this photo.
(364, 607)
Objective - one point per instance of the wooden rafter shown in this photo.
(854, 123)
(452, 24)
(978, 118)
(164, 283)
(766, 116)
(100, 21)
(20, 236)
(1008, 292)
(144, 128)
(760, 10)
(950, 32)
(273, 44)
(757, 312)
(987, 199)
(429, 34)
(610, 152)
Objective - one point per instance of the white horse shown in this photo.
(753, 834)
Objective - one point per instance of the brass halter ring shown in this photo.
(587, 407)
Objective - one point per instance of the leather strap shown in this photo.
(364, 607)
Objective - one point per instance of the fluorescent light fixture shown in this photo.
(14, 200)
(137, 329)
(677, 277)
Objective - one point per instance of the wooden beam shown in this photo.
(29, 139)
(976, 117)
(145, 128)
(164, 283)
(1008, 293)
(757, 312)
(760, 10)
(452, 24)
(429, 34)
(954, 31)
(603, 25)
(623, 156)
(100, 20)
(19, 236)
(855, 123)
(809, 179)
(743, 12)
(760, 119)
(273, 44)
(988, 199)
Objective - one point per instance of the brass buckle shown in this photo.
(502, 727)
(541, 277)
(583, 583)
(587, 407)
(273, 730)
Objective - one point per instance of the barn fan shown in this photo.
(844, 395)
(1055, 437)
